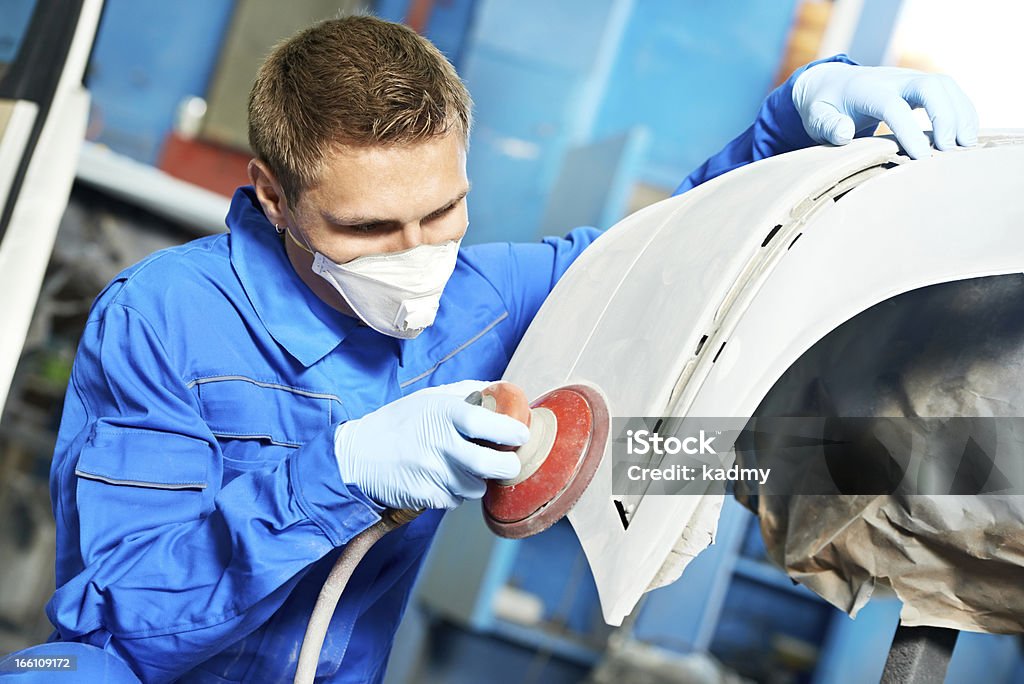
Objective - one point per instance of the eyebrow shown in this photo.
(365, 220)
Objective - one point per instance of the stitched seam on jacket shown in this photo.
(146, 431)
(139, 483)
(89, 425)
(450, 354)
(181, 628)
(157, 257)
(260, 383)
(252, 435)
(501, 297)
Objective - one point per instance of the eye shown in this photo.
(360, 228)
(441, 212)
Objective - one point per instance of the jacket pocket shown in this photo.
(258, 423)
(133, 479)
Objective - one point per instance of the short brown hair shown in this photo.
(357, 80)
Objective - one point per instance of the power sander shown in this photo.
(568, 432)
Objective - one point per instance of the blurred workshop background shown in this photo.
(585, 111)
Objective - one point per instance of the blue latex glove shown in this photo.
(413, 453)
(835, 101)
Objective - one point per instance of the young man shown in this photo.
(243, 405)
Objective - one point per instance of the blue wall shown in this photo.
(16, 15)
(526, 65)
(447, 25)
(148, 56)
(694, 74)
(546, 77)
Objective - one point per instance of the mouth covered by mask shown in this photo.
(396, 294)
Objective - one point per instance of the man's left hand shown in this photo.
(836, 100)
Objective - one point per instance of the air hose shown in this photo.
(334, 586)
(501, 397)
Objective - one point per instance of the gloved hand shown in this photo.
(413, 453)
(837, 100)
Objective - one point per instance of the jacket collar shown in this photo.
(295, 317)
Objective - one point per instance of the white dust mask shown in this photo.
(396, 294)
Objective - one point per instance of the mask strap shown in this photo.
(297, 243)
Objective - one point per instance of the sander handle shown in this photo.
(505, 398)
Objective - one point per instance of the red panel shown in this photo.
(214, 167)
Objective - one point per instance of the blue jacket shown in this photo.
(194, 485)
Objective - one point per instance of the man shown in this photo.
(243, 405)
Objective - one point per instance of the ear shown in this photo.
(269, 193)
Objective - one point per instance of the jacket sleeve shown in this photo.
(524, 273)
(173, 566)
(776, 129)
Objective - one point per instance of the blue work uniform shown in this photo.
(195, 489)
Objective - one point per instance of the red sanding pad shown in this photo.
(538, 502)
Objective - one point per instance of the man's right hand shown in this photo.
(415, 453)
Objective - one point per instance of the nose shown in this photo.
(412, 235)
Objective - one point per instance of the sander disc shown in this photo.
(545, 496)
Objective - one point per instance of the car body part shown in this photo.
(697, 305)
